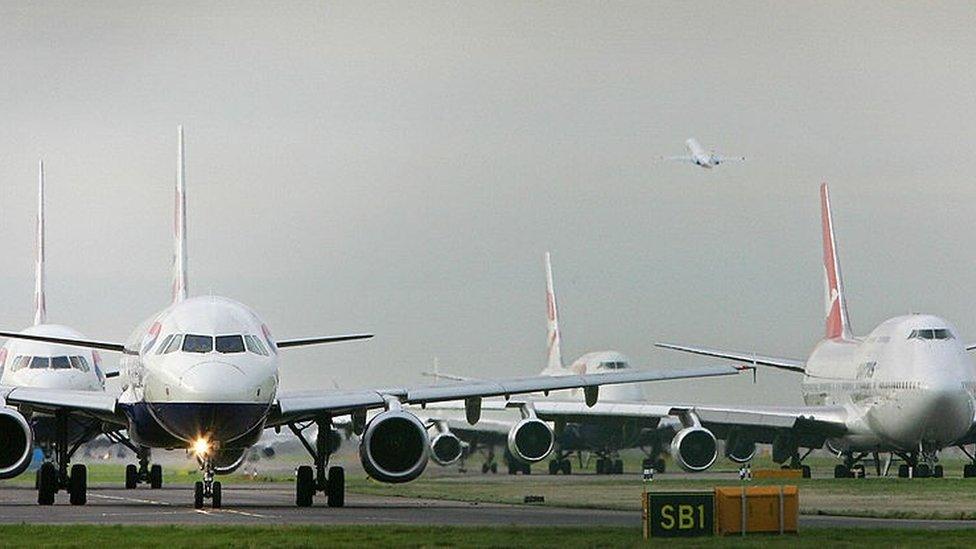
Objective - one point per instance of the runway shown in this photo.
(269, 504)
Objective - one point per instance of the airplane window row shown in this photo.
(50, 362)
(192, 343)
(937, 333)
(613, 365)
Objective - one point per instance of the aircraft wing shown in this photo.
(723, 159)
(791, 364)
(685, 158)
(94, 403)
(299, 405)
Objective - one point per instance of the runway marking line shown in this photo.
(136, 500)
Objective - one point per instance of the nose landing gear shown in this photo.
(208, 488)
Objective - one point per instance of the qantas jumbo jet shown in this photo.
(202, 375)
(907, 388)
(700, 157)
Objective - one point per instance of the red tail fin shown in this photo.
(837, 323)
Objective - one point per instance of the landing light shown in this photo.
(201, 447)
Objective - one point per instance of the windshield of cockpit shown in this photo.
(931, 333)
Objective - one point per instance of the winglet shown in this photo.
(40, 303)
(554, 358)
(179, 226)
(838, 324)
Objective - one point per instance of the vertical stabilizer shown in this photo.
(554, 359)
(179, 226)
(40, 302)
(838, 324)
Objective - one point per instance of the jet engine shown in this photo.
(16, 443)
(694, 448)
(445, 448)
(739, 449)
(530, 440)
(394, 447)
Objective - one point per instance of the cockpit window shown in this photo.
(162, 346)
(614, 365)
(174, 344)
(931, 333)
(197, 343)
(60, 363)
(230, 344)
(255, 346)
(79, 363)
(39, 362)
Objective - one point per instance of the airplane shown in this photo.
(35, 364)
(203, 375)
(578, 429)
(907, 389)
(700, 157)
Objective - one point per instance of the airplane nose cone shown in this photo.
(932, 414)
(215, 401)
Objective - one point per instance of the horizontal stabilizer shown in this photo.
(790, 364)
(320, 340)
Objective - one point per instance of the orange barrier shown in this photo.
(755, 509)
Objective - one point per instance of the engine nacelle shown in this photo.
(739, 449)
(16, 443)
(445, 448)
(694, 448)
(394, 447)
(530, 440)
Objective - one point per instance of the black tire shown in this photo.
(484, 468)
(567, 467)
(806, 471)
(198, 495)
(903, 471)
(938, 472)
(131, 476)
(923, 470)
(37, 478)
(527, 469)
(156, 477)
(858, 471)
(337, 487)
(554, 466)
(659, 466)
(969, 470)
(618, 467)
(494, 468)
(215, 496)
(78, 485)
(304, 486)
(599, 466)
(841, 471)
(48, 484)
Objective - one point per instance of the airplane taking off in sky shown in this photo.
(33, 364)
(202, 375)
(907, 388)
(700, 157)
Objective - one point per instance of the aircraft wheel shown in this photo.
(336, 487)
(131, 476)
(858, 471)
(969, 470)
(494, 468)
(567, 467)
(527, 469)
(618, 467)
(841, 471)
(48, 484)
(923, 470)
(78, 484)
(198, 495)
(659, 465)
(806, 471)
(215, 496)
(156, 477)
(484, 468)
(938, 471)
(304, 486)
(903, 471)
(554, 467)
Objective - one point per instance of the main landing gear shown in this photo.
(52, 477)
(208, 488)
(920, 465)
(144, 473)
(307, 481)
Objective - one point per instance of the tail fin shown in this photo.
(838, 325)
(40, 302)
(179, 226)
(554, 359)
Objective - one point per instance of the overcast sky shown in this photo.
(401, 168)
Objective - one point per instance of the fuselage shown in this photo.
(205, 368)
(908, 385)
(702, 157)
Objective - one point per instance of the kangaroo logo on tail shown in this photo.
(838, 324)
